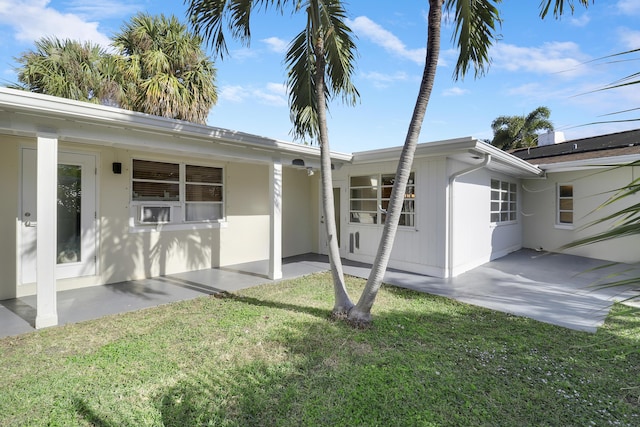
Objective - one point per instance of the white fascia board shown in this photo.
(519, 166)
(39, 105)
(452, 147)
(600, 163)
(426, 149)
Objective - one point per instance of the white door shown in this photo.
(76, 212)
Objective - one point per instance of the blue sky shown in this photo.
(535, 63)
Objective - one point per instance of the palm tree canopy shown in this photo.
(65, 68)
(169, 72)
(325, 29)
(511, 132)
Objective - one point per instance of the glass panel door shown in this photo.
(69, 213)
(76, 242)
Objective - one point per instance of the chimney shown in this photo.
(550, 138)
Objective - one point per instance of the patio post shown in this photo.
(275, 220)
(47, 200)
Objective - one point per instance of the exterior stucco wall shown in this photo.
(418, 248)
(9, 176)
(475, 240)
(130, 253)
(127, 253)
(246, 235)
(590, 189)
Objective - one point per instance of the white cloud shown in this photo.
(243, 53)
(580, 21)
(455, 91)
(274, 94)
(277, 88)
(34, 19)
(527, 90)
(101, 9)
(382, 80)
(366, 28)
(629, 7)
(233, 93)
(276, 44)
(562, 58)
(630, 38)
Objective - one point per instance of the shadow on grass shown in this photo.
(420, 366)
(395, 375)
(313, 311)
(88, 414)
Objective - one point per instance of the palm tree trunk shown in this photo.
(362, 311)
(343, 303)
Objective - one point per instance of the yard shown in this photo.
(270, 356)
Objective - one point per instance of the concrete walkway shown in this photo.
(552, 288)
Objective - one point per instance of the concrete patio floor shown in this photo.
(552, 288)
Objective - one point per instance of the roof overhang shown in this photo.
(29, 114)
(467, 150)
(587, 164)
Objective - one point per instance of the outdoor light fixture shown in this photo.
(116, 167)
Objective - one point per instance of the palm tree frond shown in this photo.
(475, 29)
(340, 51)
(302, 100)
(558, 6)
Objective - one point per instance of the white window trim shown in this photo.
(180, 222)
(510, 221)
(379, 200)
(563, 225)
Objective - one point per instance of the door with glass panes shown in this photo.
(76, 216)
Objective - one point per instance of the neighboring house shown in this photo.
(579, 176)
(141, 196)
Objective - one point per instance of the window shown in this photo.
(203, 193)
(370, 199)
(504, 203)
(155, 181)
(176, 192)
(565, 204)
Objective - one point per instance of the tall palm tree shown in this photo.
(475, 25)
(166, 71)
(511, 132)
(320, 60)
(68, 69)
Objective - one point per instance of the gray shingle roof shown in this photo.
(609, 145)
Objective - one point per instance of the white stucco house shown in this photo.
(96, 195)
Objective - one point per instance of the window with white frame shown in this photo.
(166, 192)
(565, 204)
(504, 201)
(369, 199)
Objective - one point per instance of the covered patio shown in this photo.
(548, 287)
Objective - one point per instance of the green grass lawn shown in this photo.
(271, 357)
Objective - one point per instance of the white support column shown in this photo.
(47, 200)
(275, 221)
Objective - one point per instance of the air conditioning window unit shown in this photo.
(155, 214)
